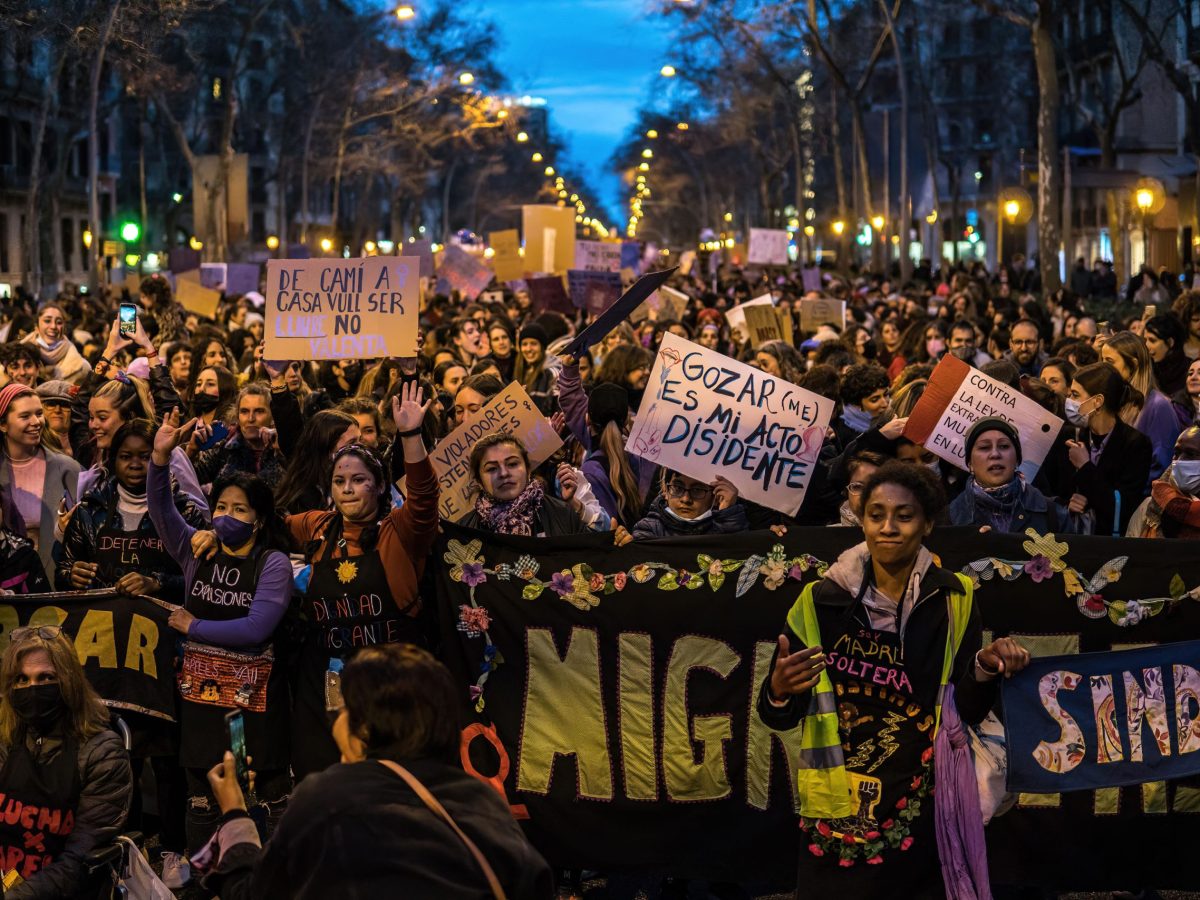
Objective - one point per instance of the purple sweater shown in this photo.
(574, 404)
(271, 594)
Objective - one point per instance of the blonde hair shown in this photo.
(88, 715)
(1133, 352)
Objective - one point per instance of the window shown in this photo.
(68, 244)
(6, 141)
(4, 261)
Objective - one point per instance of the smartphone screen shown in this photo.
(128, 315)
(220, 431)
(235, 728)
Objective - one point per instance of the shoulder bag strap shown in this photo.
(440, 811)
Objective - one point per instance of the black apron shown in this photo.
(119, 551)
(348, 605)
(886, 728)
(221, 590)
(37, 806)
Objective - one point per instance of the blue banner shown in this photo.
(1096, 720)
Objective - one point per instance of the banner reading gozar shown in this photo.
(511, 410)
(957, 395)
(705, 414)
(342, 308)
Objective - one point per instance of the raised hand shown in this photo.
(725, 494)
(408, 410)
(170, 435)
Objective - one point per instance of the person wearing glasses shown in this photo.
(687, 507)
(233, 603)
(64, 772)
(1025, 348)
(862, 466)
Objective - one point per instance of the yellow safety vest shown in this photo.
(822, 781)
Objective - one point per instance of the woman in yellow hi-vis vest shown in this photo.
(864, 661)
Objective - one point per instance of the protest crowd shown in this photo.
(291, 516)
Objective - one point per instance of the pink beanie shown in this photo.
(9, 393)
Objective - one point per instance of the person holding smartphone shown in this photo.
(234, 602)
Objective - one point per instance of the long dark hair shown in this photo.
(312, 461)
(271, 533)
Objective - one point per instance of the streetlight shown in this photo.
(537, 157)
(195, 243)
(839, 227)
(648, 153)
(272, 242)
(549, 170)
(522, 137)
(326, 245)
(466, 78)
(87, 238)
(1012, 209)
(1144, 197)
(652, 133)
(667, 72)
(877, 223)
(682, 126)
(404, 13)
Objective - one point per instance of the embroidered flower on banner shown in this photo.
(503, 572)
(619, 581)
(458, 555)
(526, 567)
(562, 583)
(472, 574)
(473, 620)
(1039, 569)
(774, 571)
(641, 573)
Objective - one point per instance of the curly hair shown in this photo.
(860, 382)
(925, 487)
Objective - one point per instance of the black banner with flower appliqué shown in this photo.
(610, 694)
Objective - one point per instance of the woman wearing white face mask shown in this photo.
(1173, 508)
(1110, 459)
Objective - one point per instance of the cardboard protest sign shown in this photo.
(462, 272)
(241, 278)
(183, 259)
(597, 256)
(512, 411)
(736, 317)
(665, 303)
(957, 395)
(214, 275)
(549, 238)
(342, 308)
(810, 277)
(705, 414)
(763, 323)
(768, 246)
(617, 313)
(818, 312)
(507, 262)
(1103, 720)
(423, 249)
(194, 297)
(594, 291)
(686, 260)
(548, 292)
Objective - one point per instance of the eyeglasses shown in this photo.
(855, 487)
(698, 493)
(45, 632)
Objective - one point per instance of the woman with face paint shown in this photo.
(365, 561)
(234, 601)
(57, 754)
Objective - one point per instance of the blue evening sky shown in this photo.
(595, 62)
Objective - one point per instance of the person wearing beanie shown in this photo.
(998, 498)
(39, 482)
(531, 371)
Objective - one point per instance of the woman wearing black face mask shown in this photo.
(233, 604)
(58, 758)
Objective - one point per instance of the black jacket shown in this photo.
(1122, 470)
(659, 523)
(21, 570)
(358, 832)
(924, 648)
(106, 788)
(92, 514)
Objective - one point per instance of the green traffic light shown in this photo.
(130, 232)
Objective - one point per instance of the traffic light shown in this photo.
(130, 231)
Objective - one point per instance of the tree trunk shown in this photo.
(32, 250)
(143, 206)
(446, 185)
(1112, 208)
(308, 137)
(98, 276)
(1048, 162)
(905, 199)
(860, 156)
(337, 170)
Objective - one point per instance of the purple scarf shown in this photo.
(957, 817)
(514, 516)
